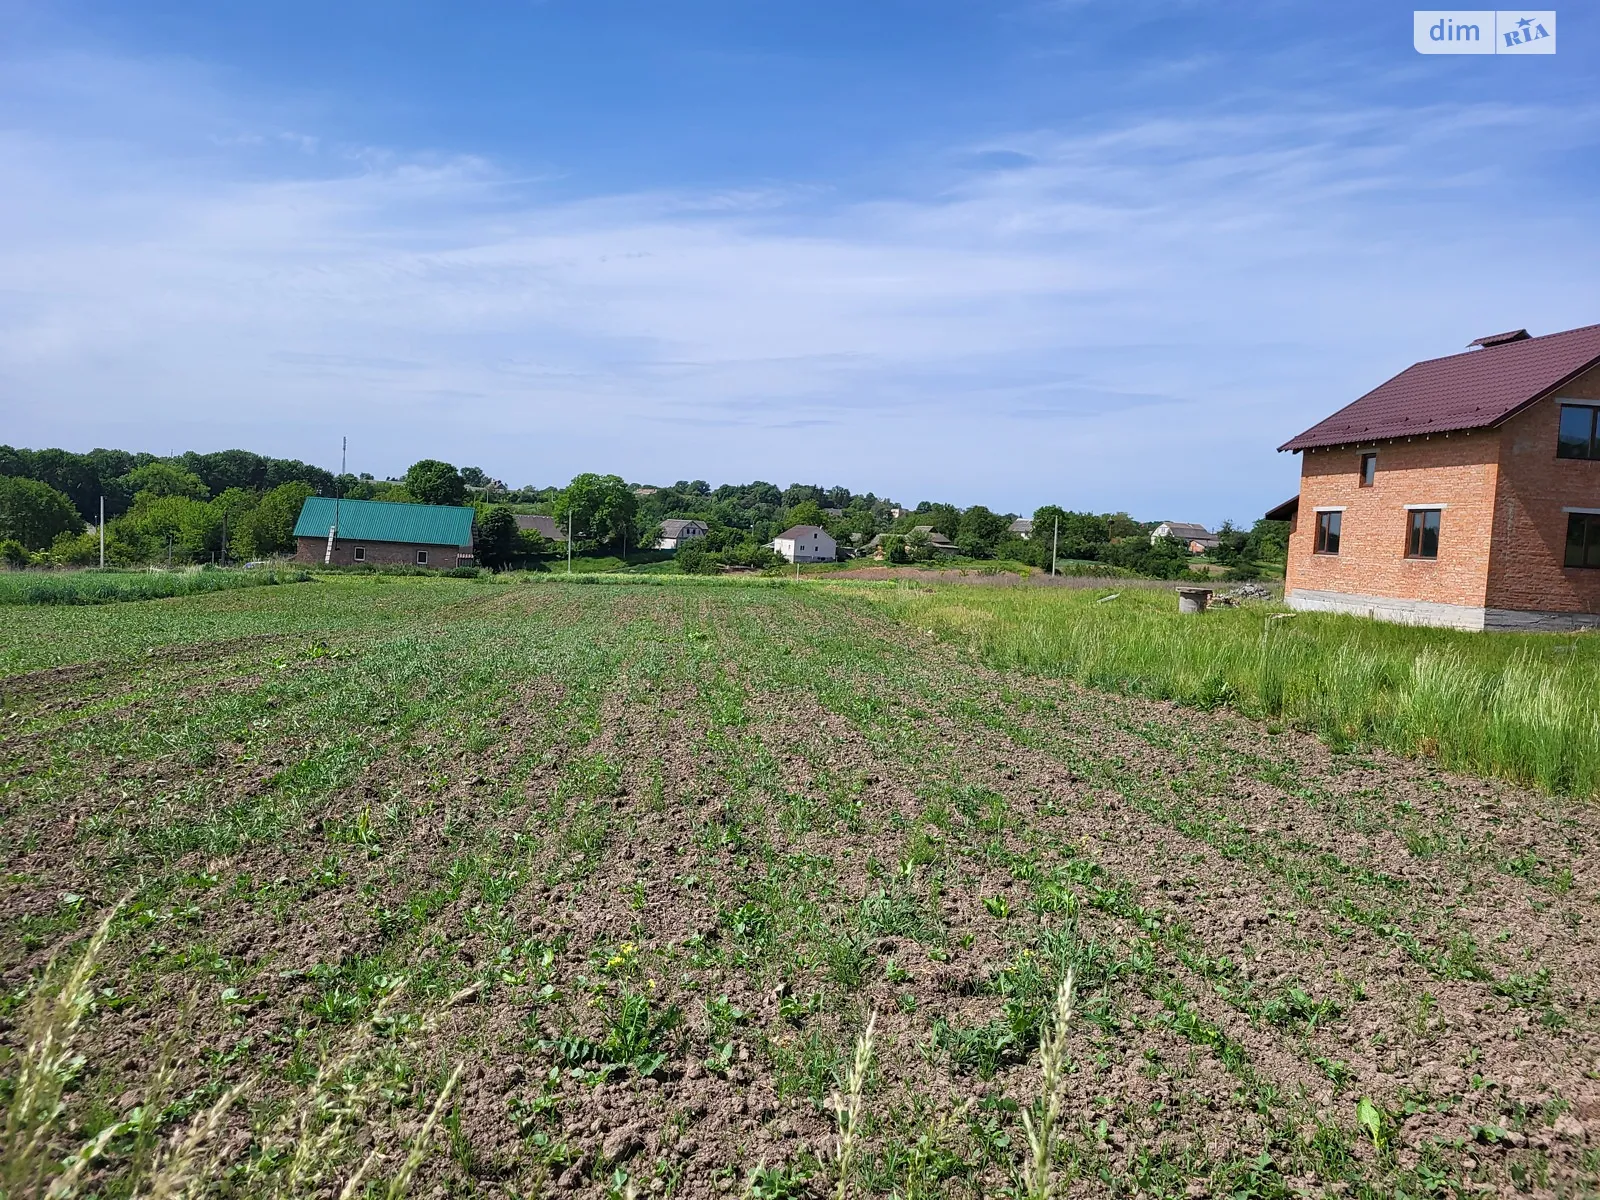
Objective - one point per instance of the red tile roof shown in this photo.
(1463, 391)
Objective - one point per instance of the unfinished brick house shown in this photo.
(1463, 492)
(377, 531)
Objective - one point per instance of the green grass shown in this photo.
(116, 587)
(1522, 706)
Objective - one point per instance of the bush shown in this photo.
(13, 553)
(696, 560)
(463, 573)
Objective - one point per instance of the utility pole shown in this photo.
(102, 533)
(569, 541)
(333, 530)
(1054, 538)
(224, 537)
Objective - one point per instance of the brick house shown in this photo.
(376, 531)
(1463, 492)
(1196, 539)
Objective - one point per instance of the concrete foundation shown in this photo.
(1448, 616)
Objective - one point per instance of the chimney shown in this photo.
(1500, 339)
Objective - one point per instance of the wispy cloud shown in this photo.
(1133, 314)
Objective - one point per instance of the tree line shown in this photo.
(237, 505)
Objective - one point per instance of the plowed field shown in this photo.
(643, 860)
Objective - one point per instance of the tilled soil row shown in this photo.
(758, 819)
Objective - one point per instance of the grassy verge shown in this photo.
(1523, 707)
(114, 587)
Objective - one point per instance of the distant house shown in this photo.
(542, 524)
(351, 532)
(806, 543)
(1196, 538)
(645, 491)
(1464, 492)
(675, 532)
(936, 541)
(1021, 527)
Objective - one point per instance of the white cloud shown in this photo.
(1129, 317)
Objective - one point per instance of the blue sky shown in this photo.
(1108, 256)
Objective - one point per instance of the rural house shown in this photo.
(377, 531)
(1463, 492)
(806, 543)
(545, 526)
(1022, 527)
(1197, 539)
(936, 541)
(676, 531)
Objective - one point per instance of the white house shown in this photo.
(1197, 538)
(806, 543)
(677, 532)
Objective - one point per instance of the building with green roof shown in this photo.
(352, 532)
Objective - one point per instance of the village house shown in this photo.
(542, 525)
(1463, 492)
(676, 532)
(1022, 527)
(352, 532)
(806, 543)
(1197, 539)
(936, 541)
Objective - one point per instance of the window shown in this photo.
(359, 554)
(1583, 540)
(1328, 532)
(1369, 469)
(1579, 437)
(422, 558)
(1423, 540)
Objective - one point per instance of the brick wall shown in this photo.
(1458, 471)
(311, 550)
(1526, 569)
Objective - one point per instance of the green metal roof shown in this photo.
(382, 521)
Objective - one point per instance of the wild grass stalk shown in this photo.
(1038, 1170)
(308, 1144)
(49, 1063)
(847, 1107)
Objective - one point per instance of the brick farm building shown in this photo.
(379, 532)
(1464, 492)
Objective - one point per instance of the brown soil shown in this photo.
(1278, 931)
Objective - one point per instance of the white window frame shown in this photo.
(358, 554)
(422, 558)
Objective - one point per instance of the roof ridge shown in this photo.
(1478, 350)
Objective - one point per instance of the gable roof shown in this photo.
(1184, 530)
(674, 526)
(1021, 525)
(800, 531)
(385, 521)
(1473, 390)
(543, 524)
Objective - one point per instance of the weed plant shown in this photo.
(1521, 706)
(116, 587)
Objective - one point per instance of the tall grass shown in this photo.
(1521, 706)
(114, 587)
